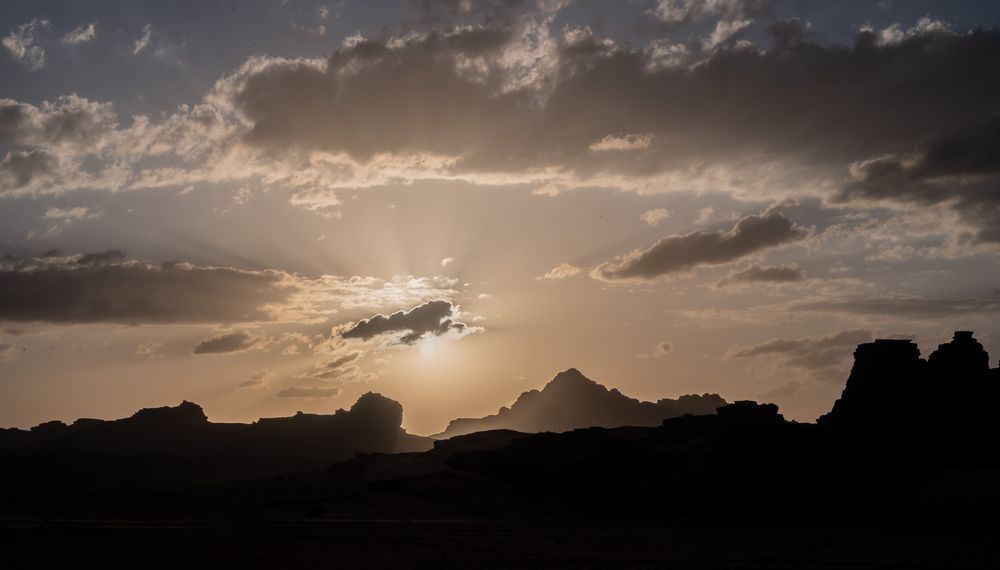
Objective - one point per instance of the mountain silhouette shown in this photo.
(910, 440)
(571, 401)
(179, 442)
(904, 457)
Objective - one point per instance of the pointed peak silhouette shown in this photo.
(571, 380)
(571, 401)
(570, 374)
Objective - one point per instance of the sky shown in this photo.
(271, 207)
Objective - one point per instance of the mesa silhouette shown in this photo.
(571, 401)
(172, 443)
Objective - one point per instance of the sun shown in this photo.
(428, 347)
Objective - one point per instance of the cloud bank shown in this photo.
(434, 318)
(679, 253)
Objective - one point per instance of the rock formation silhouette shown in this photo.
(909, 445)
(891, 388)
(571, 401)
(908, 440)
(179, 442)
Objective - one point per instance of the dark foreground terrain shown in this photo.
(483, 544)
(902, 473)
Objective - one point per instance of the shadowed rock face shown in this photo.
(886, 373)
(571, 401)
(890, 386)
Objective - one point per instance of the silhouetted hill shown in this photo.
(904, 458)
(179, 442)
(571, 401)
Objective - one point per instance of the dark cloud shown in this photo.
(432, 318)
(682, 252)
(812, 353)
(450, 93)
(107, 256)
(903, 307)
(69, 120)
(763, 274)
(961, 169)
(315, 392)
(104, 288)
(674, 12)
(372, 98)
(237, 341)
(20, 168)
(335, 368)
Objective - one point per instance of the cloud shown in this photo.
(258, 379)
(108, 287)
(150, 350)
(142, 42)
(655, 216)
(627, 142)
(8, 352)
(434, 318)
(60, 218)
(895, 34)
(315, 392)
(237, 341)
(322, 201)
(446, 260)
(679, 253)
(562, 271)
(478, 121)
(104, 287)
(674, 12)
(55, 126)
(705, 215)
(724, 32)
(499, 103)
(20, 169)
(74, 213)
(902, 307)
(22, 44)
(81, 35)
(960, 170)
(659, 351)
(293, 103)
(334, 368)
(824, 357)
(789, 273)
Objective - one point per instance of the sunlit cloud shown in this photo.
(82, 34)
